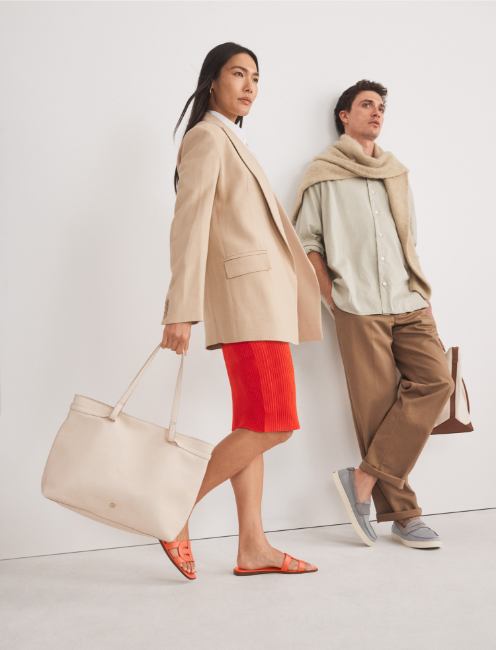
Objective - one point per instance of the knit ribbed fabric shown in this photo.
(263, 388)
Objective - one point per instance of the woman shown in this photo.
(238, 265)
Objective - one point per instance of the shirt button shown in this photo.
(376, 212)
(372, 191)
(380, 234)
(384, 284)
(382, 259)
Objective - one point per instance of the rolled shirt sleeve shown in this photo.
(309, 221)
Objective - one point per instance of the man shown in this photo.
(356, 220)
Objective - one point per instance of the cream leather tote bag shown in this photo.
(455, 416)
(125, 472)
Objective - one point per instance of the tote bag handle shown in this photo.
(175, 403)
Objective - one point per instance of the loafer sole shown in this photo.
(349, 510)
(410, 544)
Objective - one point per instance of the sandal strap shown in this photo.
(301, 566)
(184, 553)
(287, 561)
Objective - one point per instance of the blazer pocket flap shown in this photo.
(247, 263)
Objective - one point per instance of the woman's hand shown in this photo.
(176, 337)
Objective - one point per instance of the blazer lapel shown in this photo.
(254, 166)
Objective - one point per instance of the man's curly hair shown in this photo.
(347, 98)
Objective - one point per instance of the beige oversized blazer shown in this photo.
(237, 263)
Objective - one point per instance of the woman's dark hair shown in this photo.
(210, 70)
(347, 98)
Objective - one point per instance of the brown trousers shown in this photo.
(392, 430)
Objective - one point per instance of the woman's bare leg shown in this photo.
(235, 452)
(254, 551)
(229, 457)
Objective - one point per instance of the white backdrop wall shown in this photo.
(90, 95)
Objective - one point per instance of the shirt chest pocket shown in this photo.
(244, 263)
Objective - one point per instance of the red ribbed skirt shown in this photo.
(263, 388)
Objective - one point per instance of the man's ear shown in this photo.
(343, 116)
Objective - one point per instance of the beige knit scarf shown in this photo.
(346, 159)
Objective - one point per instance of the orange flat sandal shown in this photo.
(184, 554)
(284, 569)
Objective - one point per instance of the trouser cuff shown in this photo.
(388, 478)
(398, 516)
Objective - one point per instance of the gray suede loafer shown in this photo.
(358, 512)
(416, 535)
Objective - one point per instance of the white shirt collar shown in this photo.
(237, 130)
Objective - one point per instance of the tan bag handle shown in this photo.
(175, 403)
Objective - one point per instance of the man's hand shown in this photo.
(176, 337)
(328, 297)
(325, 282)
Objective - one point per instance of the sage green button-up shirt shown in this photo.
(349, 222)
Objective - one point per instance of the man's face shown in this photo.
(366, 116)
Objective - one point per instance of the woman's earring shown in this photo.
(211, 89)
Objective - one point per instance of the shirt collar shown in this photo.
(237, 130)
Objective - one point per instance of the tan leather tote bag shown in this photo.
(125, 472)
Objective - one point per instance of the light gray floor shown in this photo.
(386, 597)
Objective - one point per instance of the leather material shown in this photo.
(284, 568)
(184, 555)
(455, 416)
(286, 563)
(123, 471)
(183, 549)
